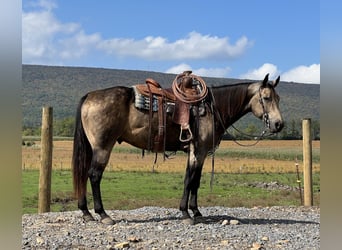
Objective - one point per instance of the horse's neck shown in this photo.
(233, 103)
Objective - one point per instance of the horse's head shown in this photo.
(265, 104)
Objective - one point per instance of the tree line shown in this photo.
(292, 130)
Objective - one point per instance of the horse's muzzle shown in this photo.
(277, 126)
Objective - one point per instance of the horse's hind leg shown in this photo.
(98, 164)
(82, 205)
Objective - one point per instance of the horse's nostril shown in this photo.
(279, 125)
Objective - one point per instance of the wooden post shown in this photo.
(307, 161)
(46, 161)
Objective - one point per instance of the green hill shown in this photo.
(62, 87)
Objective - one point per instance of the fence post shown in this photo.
(307, 161)
(46, 161)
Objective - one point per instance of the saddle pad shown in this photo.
(143, 102)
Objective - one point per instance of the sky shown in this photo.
(243, 39)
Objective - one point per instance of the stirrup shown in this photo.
(187, 128)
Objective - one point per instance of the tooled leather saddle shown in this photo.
(158, 99)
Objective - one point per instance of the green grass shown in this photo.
(267, 153)
(252, 153)
(129, 190)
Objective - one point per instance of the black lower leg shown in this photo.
(193, 205)
(95, 176)
(82, 205)
(194, 191)
(185, 198)
(184, 205)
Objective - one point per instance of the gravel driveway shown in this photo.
(161, 228)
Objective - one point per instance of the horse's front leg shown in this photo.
(191, 184)
(185, 198)
(194, 191)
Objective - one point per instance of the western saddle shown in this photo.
(187, 89)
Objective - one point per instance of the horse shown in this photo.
(109, 115)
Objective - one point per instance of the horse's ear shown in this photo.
(265, 81)
(275, 82)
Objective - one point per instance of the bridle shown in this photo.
(264, 112)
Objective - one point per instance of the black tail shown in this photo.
(82, 154)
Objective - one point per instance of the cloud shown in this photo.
(193, 46)
(304, 74)
(46, 4)
(78, 45)
(213, 72)
(301, 74)
(47, 39)
(205, 72)
(178, 68)
(41, 32)
(260, 73)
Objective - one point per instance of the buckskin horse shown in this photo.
(107, 116)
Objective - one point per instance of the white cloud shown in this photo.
(303, 74)
(78, 45)
(193, 46)
(178, 68)
(213, 72)
(208, 72)
(260, 73)
(45, 38)
(40, 33)
(46, 4)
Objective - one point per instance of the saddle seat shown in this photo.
(154, 88)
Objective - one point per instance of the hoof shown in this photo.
(189, 221)
(88, 217)
(107, 221)
(199, 219)
(197, 213)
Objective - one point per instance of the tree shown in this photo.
(316, 133)
(294, 131)
(251, 130)
(64, 127)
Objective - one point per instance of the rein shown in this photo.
(216, 113)
(259, 138)
(263, 133)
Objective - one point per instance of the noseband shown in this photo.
(264, 113)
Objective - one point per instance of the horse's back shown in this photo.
(108, 95)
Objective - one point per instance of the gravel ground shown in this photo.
(161, 228)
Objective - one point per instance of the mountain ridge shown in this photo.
(62, 87)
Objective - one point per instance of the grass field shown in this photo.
(269, 156)
(129, 182)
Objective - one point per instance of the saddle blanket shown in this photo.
(143, 102)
